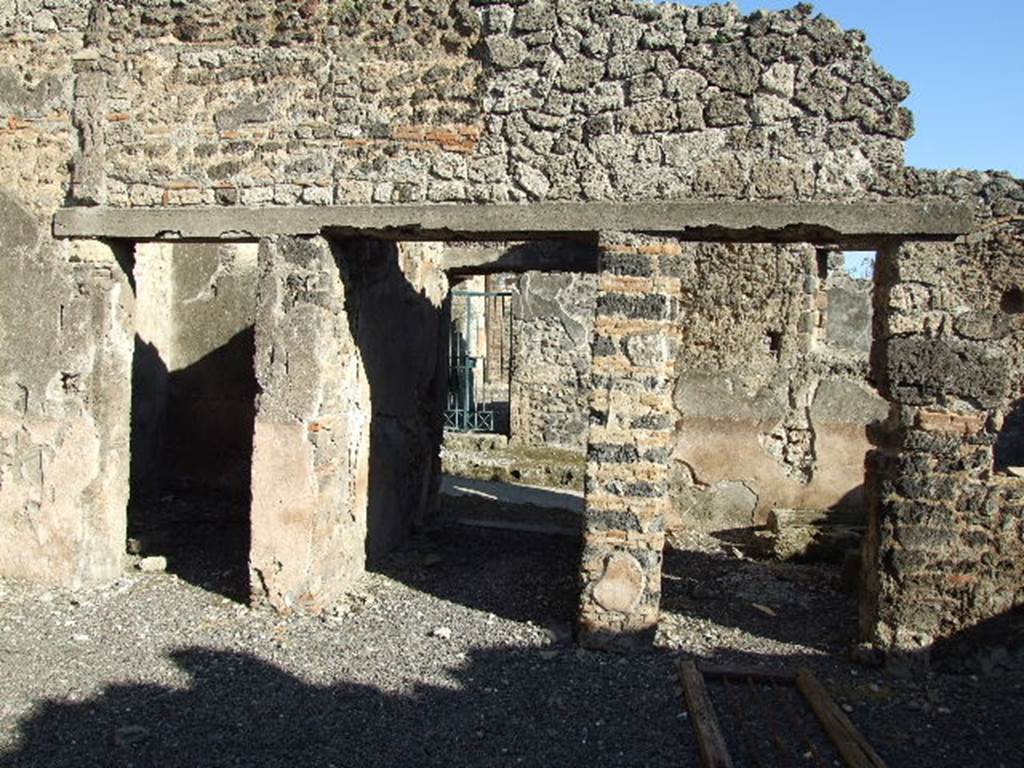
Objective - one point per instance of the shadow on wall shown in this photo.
(191, 462)
(814, 536)
(400, 335)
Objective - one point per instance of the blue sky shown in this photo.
(965, 66)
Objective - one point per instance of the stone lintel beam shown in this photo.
(502, 258)
(847, 224)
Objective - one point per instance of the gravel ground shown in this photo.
(457, 654)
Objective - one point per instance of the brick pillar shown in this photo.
(632, 425)
(312, 431)
(944, 548)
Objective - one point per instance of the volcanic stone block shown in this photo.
(920, 370)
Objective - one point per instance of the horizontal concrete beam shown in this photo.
(857, 223)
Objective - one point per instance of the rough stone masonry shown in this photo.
(111, 104)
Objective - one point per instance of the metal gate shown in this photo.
(479, 361)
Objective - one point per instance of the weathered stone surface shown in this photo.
(154, 564)
(65, 375)
(740, 221)
(312, 435)
(18, 225)
(944, 544)
(298, 114)
(774, 410)
(347, 384)
(627, 464)
(505, 52)
(193, 381)
(553, 320)
(621, 585)
(501, 85)
(920, 370)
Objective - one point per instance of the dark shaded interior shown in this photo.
(191, 460)
(1009, 447)
(399, 334)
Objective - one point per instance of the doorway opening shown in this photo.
(521, 356)
(193, 409)
(479, 356)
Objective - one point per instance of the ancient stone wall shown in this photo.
(268, 103)
(311, 449)
(772, 389)
(553, 319)
(396, 311)
(134, 104)
(946, 536)
(348, 102)
(65, 327)
(772, 386)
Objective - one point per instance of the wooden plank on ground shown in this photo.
(853, 747)
(742, 674)
(713, 751)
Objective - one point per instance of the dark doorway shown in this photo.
(193, 408)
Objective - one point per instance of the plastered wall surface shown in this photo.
(772, 393)
(350, 366)
(65, 333)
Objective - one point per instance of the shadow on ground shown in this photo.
(204, 538)
(504, 707)
(545, 704)
(800, 604)
(513, 575)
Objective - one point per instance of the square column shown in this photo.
(68, 313)
(630, 441)
(312, 431)
(944, 552)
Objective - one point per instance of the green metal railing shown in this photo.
(469, 409)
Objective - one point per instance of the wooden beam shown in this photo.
(713, 751)
(853, 747)
(742, 674)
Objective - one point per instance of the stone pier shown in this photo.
(631, 433)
